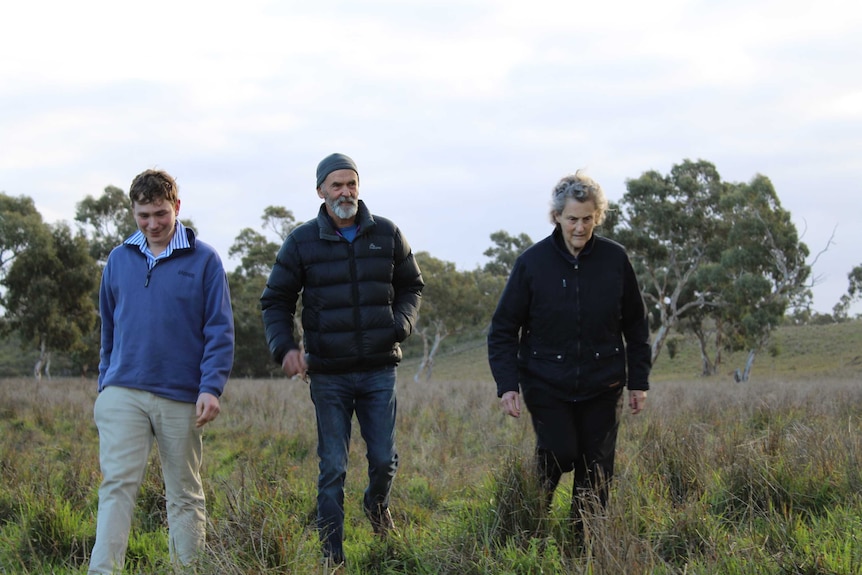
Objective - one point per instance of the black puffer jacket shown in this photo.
(359, 299)
(570, 327)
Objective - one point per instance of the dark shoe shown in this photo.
(381, 522)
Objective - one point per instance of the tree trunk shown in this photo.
(658, 342)
(42, 361)
(435, 347)
(426, 366)
(717, 361)
(425, 358)
(706, 367)
(746, 375)
(718, 340)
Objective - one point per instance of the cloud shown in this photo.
(461, 114)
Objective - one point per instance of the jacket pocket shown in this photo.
(548, 355)
(608, 365)
(548, 365)
(606, 351)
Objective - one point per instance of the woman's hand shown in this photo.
(637, 400)
(511, 403)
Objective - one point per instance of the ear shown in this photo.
(320, 192)
(177, 208)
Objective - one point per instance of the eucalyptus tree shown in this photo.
(453, 302)
(48, 299)
(279, 220)
(702, 321)
(854, 294)
(721, 260)
(505, 251)
(764, 263)
(255, 249)
(251, 353)
(256, 252)
(672, 227)
(21, 227)
(107, 220)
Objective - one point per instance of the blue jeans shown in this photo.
(336, 397)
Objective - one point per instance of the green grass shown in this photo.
(714, 477)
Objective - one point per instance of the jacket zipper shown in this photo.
(578, 339)
(355, 289)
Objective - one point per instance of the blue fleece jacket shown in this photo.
(168, 330)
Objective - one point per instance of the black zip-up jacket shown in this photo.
(359, 299)
(570, 327)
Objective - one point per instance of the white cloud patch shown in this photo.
(461, 113)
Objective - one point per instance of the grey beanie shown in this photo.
(334, 162)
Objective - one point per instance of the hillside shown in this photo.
(804, 352)
(796, 352)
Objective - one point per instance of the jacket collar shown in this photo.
(560, 244)
(329, 231)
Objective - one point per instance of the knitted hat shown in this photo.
(331, 163)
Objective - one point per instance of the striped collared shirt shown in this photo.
(179, 241)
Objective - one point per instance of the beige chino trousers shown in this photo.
(128, 420)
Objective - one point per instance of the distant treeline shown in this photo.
(717, 260)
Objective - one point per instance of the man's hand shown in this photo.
(637, 400)
(207, 409)
(294, 363)
(511, 403)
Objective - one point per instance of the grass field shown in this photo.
(714, 477)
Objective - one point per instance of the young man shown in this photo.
(361, 289)
(166, 352)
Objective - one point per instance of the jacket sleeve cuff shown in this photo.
(503, 389)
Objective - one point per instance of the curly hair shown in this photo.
(152, 185)
(582, 188)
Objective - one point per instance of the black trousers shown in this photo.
(579, 436)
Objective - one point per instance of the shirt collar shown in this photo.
(178, 242)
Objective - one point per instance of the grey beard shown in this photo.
(344, 209)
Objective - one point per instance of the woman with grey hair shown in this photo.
(570, 332)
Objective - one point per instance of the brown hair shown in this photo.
(152, 185)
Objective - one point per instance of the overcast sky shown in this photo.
(461, 114)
